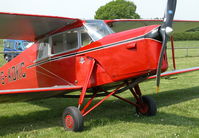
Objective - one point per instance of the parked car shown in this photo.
(12, 48)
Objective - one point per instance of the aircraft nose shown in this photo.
(155, 34)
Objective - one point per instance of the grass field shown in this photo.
(178, 111)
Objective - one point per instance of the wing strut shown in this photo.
(173, 52)
(86, 83)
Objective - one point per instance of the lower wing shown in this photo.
(44, 89)
(170, 73)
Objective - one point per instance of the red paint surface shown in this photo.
(114, 63)
(69, 121)
(117, 62)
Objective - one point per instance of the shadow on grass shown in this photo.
(109, 112)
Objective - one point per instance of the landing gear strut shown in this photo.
(145, 105)
(73, 116)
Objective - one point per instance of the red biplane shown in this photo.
(71, 54)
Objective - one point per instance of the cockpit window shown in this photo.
(97, 29)
(85, 39)
(71, 40)
(43, 49)
(65, 41)
(57, 43)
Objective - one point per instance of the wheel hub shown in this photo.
(143, 109)
(69, 121)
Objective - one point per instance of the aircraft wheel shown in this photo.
(72, 119)
(148, 108)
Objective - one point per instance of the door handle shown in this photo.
(131, 46)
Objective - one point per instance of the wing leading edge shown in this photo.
(170, 73)
(31, 27)
(44, 89)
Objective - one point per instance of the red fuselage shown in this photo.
(119, 56)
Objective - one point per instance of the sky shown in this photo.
(85, 9)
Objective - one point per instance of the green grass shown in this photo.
(178, 112)
(179, 53)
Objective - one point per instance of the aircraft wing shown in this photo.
(44, 89)
(31, 27)
(170, 73)
(178, 25)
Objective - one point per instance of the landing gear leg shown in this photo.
(145, 105)
(72, 116)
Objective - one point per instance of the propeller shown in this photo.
(165, 30)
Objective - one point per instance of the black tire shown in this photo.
(72, 119)
(149, 107)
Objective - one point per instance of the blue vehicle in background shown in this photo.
(12, 48)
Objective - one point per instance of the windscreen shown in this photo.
(97, 29)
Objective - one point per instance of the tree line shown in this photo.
(124, 9)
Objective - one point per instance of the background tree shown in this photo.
(117, 9)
